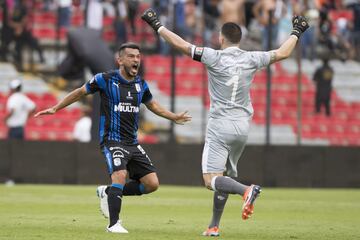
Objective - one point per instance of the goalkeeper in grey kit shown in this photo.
(230, 74)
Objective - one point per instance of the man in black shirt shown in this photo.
(122, 91)
(323, 77)
(22, 35)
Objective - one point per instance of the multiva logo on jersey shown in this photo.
(126, 107)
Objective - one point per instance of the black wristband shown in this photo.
(156, 25)
(296, 31)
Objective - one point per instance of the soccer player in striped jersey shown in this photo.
(122, 91)
(230, 73)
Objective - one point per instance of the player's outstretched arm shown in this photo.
(178, 118)
(284, 51)
(72, 97)
(150, 17)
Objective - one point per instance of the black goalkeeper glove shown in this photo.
(151, 18)
(300, 25)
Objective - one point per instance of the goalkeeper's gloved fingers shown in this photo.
(295, 20)
(151, 18)
(303, 24)
(300, 25)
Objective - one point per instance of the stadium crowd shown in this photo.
(335, 23)
(334, 31)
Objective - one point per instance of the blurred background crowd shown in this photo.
(335, 23)
(59, 44)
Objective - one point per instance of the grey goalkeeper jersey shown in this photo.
(230, 73)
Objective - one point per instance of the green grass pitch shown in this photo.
(50, 212)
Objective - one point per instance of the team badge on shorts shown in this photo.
(117, 155)
(117, 162)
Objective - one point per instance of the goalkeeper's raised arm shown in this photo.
(284, 51)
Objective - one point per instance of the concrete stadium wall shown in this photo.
(276, 166)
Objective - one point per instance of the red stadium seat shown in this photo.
(108, 21)
(344, 123)
(77, 18)
(109, 36)
(158, 77)
(44, 18)
(44, 33)
(48, 97)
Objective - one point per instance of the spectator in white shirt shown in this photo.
(19, 107)
(94, 15)
(82, 128)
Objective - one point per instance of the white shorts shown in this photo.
(224, 143)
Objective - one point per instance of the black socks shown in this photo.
(115, 193)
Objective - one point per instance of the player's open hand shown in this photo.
(48, 111)
(182, 118)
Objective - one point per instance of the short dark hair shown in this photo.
(18, 89)
(128, 45)
(232, 32)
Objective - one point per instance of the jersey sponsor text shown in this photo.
(126, 107)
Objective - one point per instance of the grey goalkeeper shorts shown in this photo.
(224, 143)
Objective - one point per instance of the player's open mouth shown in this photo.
(135, 67)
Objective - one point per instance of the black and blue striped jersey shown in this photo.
(120, 105)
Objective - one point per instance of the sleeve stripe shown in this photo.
(198, 52)
(100, 80)
(87, 86)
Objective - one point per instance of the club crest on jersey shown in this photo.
(138, 88)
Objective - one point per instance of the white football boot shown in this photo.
(104, 206)
(117, 228)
